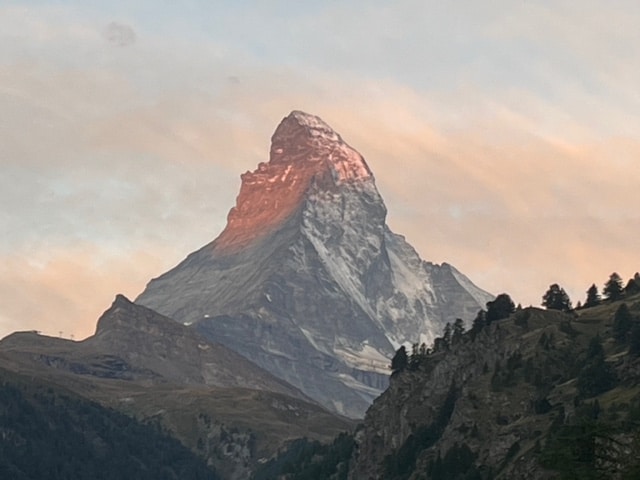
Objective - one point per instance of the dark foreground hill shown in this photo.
(50, 433)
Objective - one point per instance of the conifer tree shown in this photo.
(633, 286)
(458, 331)
(478, 323)
(613, 288)
(414, 358)
(634, 341)
(593, 297)
(447, 335)
(400, 360)
(499, 308)
(622, 323)
(596, 376)
(556, 299)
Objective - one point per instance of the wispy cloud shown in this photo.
(504, 140)
(119, 34)
(66, 289)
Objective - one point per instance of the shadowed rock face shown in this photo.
(307, 280)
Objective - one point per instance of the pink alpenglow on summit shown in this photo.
(304, 150)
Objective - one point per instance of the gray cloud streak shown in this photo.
(119, 34)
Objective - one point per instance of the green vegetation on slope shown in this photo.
(400, 464)
(594, 444)
(310, 460)
(532, 393)
(549, 393)
(46, 433)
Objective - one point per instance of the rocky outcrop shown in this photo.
(135, 343)
(307, 280)
(501, 395)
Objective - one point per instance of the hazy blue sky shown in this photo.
(504, 135)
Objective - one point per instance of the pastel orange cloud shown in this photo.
(64, 291)
(511, 190)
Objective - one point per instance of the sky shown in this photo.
(504, 135)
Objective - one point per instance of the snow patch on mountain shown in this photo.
(366, 358)
(350, 382)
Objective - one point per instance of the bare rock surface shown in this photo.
(307, 280)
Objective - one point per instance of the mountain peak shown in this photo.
(124, 313)
(312, 122)
(298, 125)
(307, 280)
(305, 151)
(302, 138)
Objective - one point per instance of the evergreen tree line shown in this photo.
(555, 298)
(454, 333)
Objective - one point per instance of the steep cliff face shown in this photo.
(307, 280)
(524, 398)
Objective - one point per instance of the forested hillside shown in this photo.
(48, 433)
(525, 393)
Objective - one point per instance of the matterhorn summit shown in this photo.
(307, 280)
(304, 149)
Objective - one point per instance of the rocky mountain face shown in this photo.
(307, 280)
(226, 409)
(538, 395)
